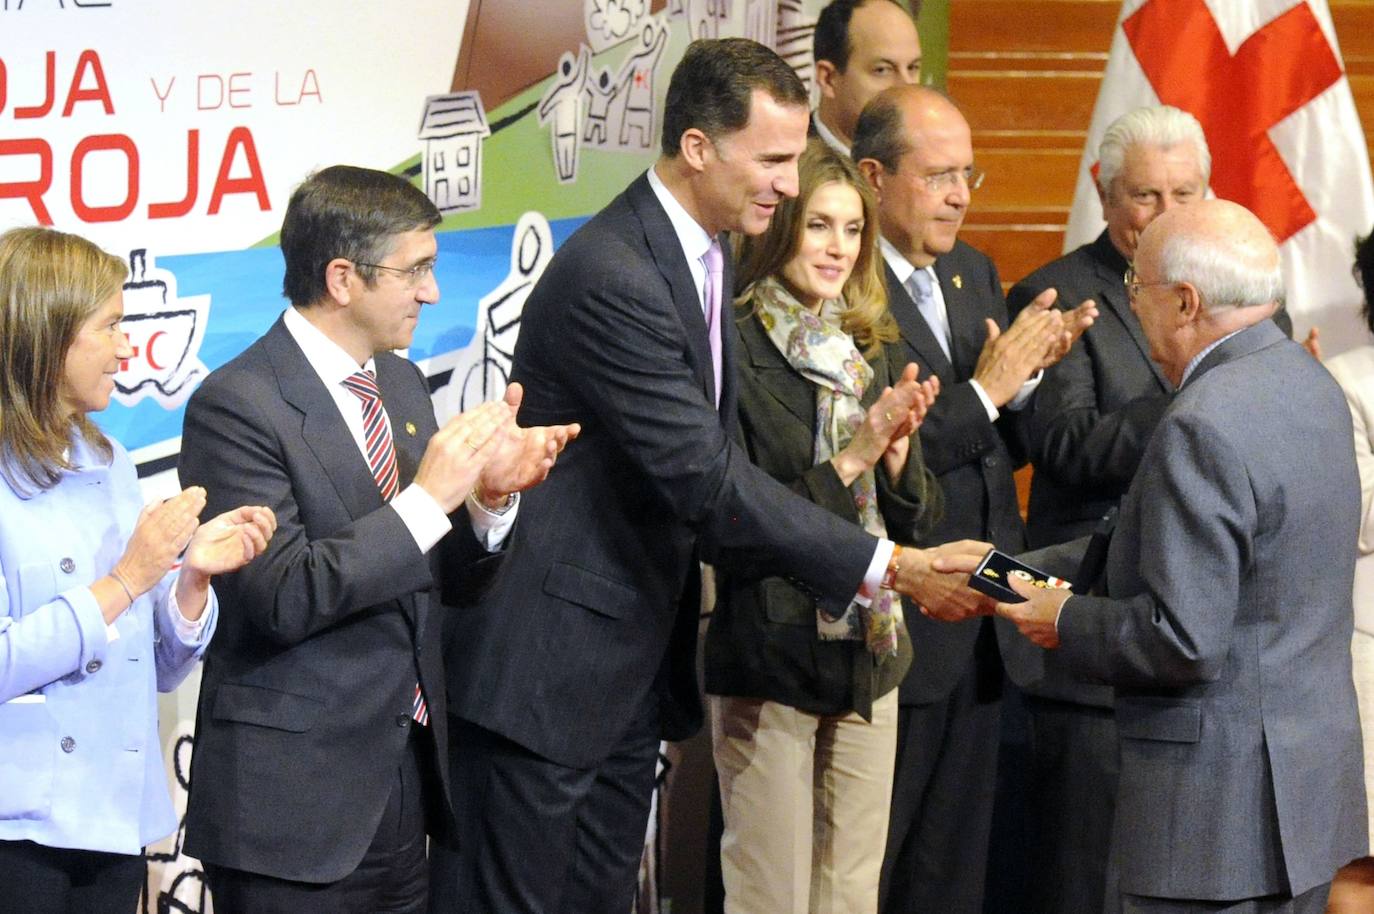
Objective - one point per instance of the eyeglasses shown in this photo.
(412, 276)
(1134, 285)
(946, 180)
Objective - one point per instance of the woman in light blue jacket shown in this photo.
(95, 614)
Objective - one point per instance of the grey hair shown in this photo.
(1160, 126)
(1225, 275)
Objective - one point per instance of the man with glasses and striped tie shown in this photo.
(321, 720)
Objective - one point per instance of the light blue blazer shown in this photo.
(80, 760)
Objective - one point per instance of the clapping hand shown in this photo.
(162, 531)
(231, 540)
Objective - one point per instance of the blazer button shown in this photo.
(989, 461)
(93, 666)
(67, 565)
(403, 720)
(68, 744)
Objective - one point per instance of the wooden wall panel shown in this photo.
(1027, 73)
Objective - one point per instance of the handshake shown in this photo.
(937, 580)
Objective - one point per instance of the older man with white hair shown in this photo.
(1086, 430)
(1226, 621)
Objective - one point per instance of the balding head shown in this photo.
(1203, 271)
(915, 149)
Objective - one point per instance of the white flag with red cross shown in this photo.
(1265, 80)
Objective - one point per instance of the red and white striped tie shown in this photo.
(381, 459)
(381, 451)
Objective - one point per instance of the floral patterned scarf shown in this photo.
(825, 355)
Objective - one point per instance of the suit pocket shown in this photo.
(1160, 719)
(37, 585)
(247, 704)
(785, 604)
(27, 761)
(590, 590)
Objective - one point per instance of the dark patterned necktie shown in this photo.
(381, 459)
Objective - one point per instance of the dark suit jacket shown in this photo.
(1226, 631)
(971, 457)
(583, 618)
(762, 640)
(1094, 411)
(307, 687)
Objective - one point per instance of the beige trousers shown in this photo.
(806, 800)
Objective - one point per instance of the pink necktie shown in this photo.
(714, 262)
(381, 459)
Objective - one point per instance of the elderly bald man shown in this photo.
(1225, 619)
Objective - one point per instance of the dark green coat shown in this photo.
(762, 640)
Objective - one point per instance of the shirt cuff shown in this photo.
(422, 516)
(873, 578)
(1059, 614)
(1023, 395)
(189, 632)
(492, 527)
(992, 411)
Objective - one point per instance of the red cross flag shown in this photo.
(1265, 80)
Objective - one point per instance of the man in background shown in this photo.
(861, 47)
(914, 147)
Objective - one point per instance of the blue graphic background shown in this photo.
(245, 298)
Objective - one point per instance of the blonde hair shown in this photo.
(865, 317)
(50, 283)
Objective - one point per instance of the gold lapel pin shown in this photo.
(958, 281)
(410, 429)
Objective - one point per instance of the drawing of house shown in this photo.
(453, 128)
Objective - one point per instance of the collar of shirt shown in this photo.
(693, 239)
(1193, 363)
(827, 136)
(327, 357)
(332, 364)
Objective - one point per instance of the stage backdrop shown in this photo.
(172, 134)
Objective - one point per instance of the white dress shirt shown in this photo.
(419, 511)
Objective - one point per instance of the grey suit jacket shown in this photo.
(1226, 632)
(597, 599)
(972, 457)
(1085, 431)
(307, 688)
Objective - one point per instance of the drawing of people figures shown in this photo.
(483, 367)
(562, 105)
(704, 17)
(761, 21)
(597, 97)
(637, 86)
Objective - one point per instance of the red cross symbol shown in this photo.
(641, 78)
(1237, 99)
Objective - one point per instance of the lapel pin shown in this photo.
(958, 281)
(410, 429)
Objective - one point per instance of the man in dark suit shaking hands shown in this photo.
(321, 717)
(579, 657)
